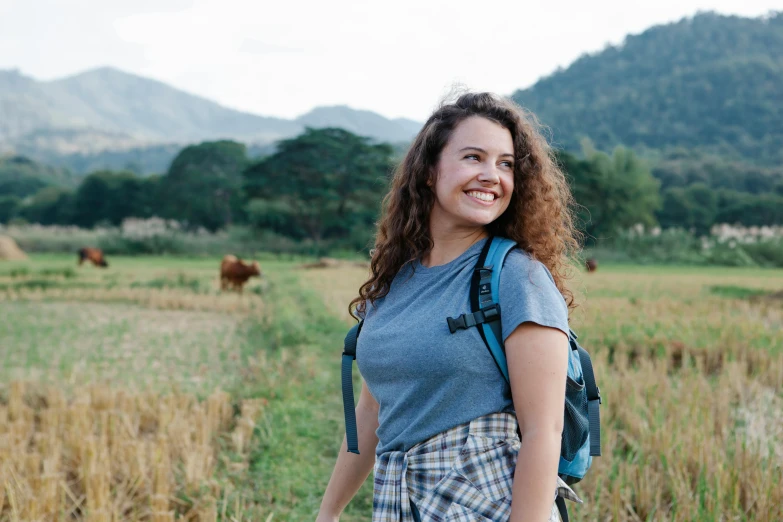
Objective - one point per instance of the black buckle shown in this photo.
(457, 323)
(465, 321)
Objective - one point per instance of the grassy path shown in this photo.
(301, 431)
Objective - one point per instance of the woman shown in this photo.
(435, 416)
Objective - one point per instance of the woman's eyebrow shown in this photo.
(483, 151)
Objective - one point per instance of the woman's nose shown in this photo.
(489, 174)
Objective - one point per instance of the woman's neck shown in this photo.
(449, 246)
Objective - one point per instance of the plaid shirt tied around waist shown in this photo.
(464, 474)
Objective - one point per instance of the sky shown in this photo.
(284, 57)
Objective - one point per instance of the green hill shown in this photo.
(22, 177)
(709, 83)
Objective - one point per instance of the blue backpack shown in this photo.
(581, 439)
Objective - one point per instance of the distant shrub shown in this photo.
(766, 253)
(737, 292)
(156, 236)
(180, 281)
(725, 246)
(54, 238)
(21, 271)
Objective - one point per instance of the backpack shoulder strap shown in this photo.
(486, 295)
(349, 355)
(484, 300)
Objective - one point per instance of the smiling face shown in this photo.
(474, 176)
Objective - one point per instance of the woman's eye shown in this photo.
(472, 156)
(508, 164)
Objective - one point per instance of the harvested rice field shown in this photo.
(141, 392)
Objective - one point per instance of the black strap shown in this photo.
(561, 507)
(349, 355)
(481, 296)
(349, 345)
(593, 401)
(465, 321)
(481, 274)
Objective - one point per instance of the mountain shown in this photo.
(364, 123)
(26, 105)
(148, 109)
(110, 110)
(709, 82)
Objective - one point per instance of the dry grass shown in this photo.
(693, 388)
(337, 286)
(78, 440)
(107, 455)
(694, 443)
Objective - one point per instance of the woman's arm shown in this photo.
(351, 470)
(537, 365)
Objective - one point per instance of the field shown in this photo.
(141, 392)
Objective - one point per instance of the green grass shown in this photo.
(180, 280)
(79, 342)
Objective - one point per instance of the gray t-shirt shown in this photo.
(428, 380)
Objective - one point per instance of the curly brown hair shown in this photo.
(539, 217)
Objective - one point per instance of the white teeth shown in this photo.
(483, 196)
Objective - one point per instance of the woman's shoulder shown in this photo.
(528, 293)
(520, 265)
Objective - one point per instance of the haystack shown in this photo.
(9, 250)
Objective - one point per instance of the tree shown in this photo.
(326, 183)
(23, 177)
(49, 206)
(110, 197)
(704, 207)
(203, 186)
(676, 209)
(749, 209)
(93, 199)
(693, 207)
(8, 207)
(614, 192)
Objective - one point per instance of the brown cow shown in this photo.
(234, 273)
(591, 264)
(94, 255)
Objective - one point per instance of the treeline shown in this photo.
(325, 187)
(692, 192)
